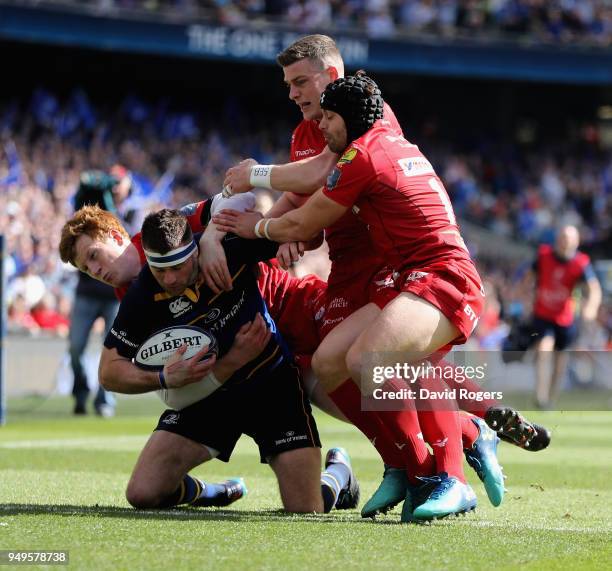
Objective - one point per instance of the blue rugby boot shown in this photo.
(231, 491)
(449, 496)
(415, 496)
(348, 497)
(392, 491)
(483, 458)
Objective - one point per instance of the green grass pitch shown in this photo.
(62, 483)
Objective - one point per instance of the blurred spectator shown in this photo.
(587, 21)
(29, 286)
(20, 319)
(379, 24)
(418, 16)
(49, 318)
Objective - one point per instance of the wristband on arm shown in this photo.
(257, 228)
(265, 228)
(260, 176)
(162, 380)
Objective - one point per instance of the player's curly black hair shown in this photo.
(357, 99)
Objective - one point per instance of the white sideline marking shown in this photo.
(97, 443)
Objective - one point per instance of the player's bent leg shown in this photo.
(429, 330)
(298, 474)
(161, 467)
(319, 397)
(329, 360)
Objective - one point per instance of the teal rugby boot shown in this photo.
(482, 457)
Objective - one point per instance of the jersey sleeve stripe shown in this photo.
(263, 363)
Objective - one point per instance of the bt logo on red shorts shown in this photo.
(469, 312)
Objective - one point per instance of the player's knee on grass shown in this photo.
(141, 496)
(299, 479)
(161, 466)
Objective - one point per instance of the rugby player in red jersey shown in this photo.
(308, 65)
(434, 285)
(558, 272)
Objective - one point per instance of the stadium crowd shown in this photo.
(176, 157)
(562, 21)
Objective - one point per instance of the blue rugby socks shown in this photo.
(195, 492)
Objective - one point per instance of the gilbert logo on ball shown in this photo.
(160, 346)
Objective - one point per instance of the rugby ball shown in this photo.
(179, 398)
(159, 347)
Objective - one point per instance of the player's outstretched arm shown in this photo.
(302, 177)
(120, 375)
(302, 224)
(291, 252)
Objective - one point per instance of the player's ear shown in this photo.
(333, 73)
(117, 237)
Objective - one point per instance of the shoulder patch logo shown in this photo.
(333, 178)
(348, 156)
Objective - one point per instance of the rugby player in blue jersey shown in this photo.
(255, 387)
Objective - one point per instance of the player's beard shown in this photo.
(338, 143)
(189, 282)
(193, 274)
